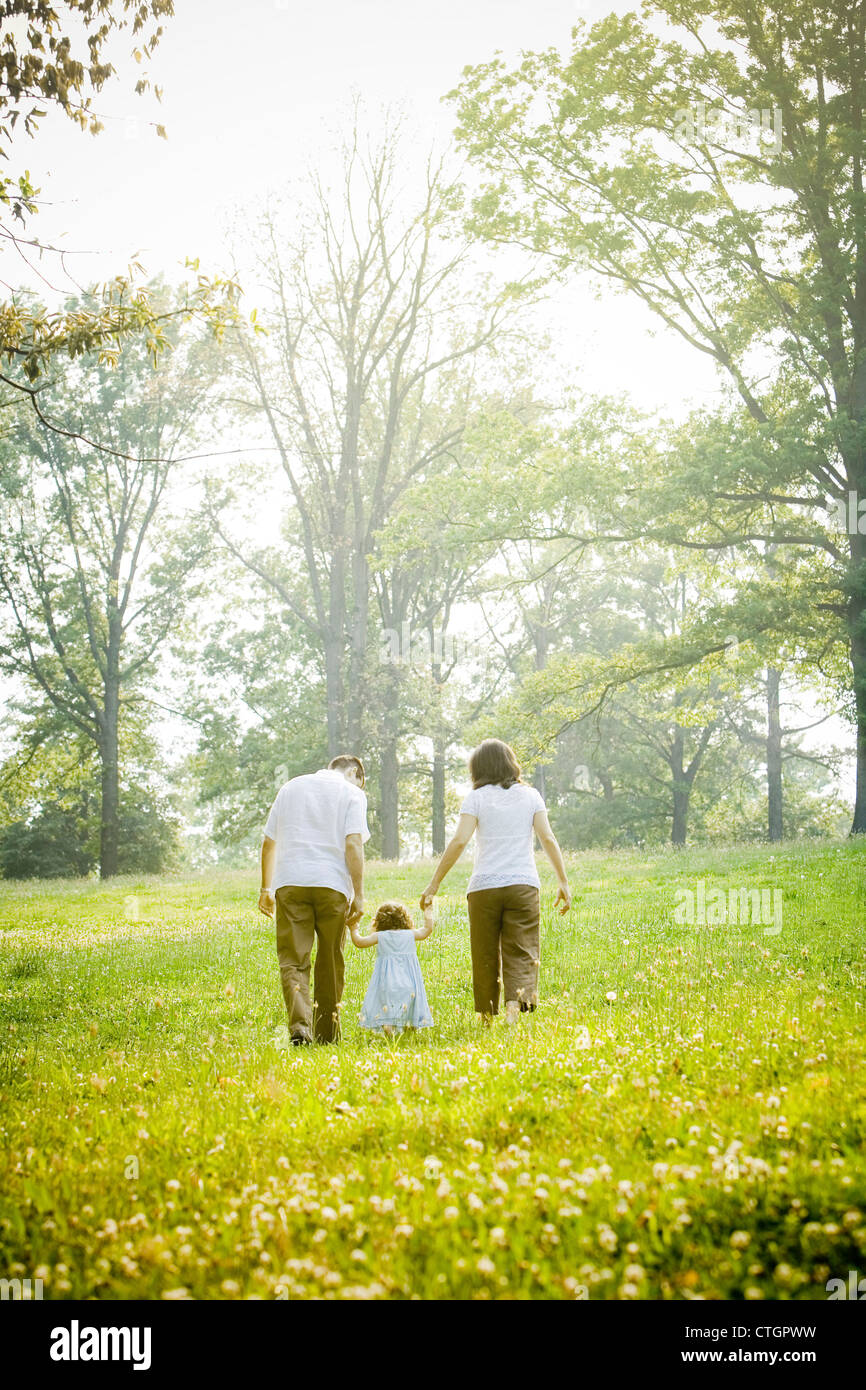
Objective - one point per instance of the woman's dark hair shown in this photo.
(392, 917)
(493, 764)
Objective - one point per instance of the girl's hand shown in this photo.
(564, 897)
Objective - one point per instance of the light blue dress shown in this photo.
(395, 996)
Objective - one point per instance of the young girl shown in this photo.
(395, 997)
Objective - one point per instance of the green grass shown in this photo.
(684, 1115)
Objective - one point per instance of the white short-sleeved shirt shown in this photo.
(309, 820)
(504, 849)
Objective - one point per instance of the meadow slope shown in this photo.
(683, 1117)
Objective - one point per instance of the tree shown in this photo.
(746, 240)
(94, 577)
(60, 56)
(368, 372)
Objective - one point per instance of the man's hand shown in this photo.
(564, 897)
(356, 911)
(267, 904)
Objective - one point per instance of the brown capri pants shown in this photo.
(503, 929)
(305, 914)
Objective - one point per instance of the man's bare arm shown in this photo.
(266, 897)
(355, 865)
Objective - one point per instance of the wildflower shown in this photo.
(607, 1238)
(740, 1240)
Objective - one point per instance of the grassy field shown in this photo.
(683, 1117)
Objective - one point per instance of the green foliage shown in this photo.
(60, 56)
(62, 840)
(750, 249)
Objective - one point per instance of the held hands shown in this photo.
(426, 899)
(355, 913)
(564, 897)
(266, 902)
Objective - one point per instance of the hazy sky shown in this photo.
(255, 92)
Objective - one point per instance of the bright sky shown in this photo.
(256, 92)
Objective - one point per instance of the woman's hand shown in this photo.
(426, 899)
(564, 897)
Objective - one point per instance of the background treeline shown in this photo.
(367, 514)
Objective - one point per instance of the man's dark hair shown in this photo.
(344, 760)
(493, 764)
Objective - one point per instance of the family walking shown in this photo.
(313, 882)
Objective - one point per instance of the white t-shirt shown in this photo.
(309, 820)
(504, 849)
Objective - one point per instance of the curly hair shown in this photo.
(392, 917)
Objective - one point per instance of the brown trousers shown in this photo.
(305, 914)
(503, 934)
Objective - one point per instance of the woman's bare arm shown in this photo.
(459, 840)
(550, 845)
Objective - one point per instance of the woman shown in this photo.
(504, 888)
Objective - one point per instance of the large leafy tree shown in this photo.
(97, 560)
(634, 158)
(376, 353)
(60, 57)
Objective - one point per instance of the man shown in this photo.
(313, 876)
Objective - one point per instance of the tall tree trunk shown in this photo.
(857, 637)
(356, 698)
(389, 786)
(109, 836)
(440, 748)
(680, 814)
(774, 757)
(681, 789)
(438, 810)
(334, 648)
(389, 806)
(334, 696)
